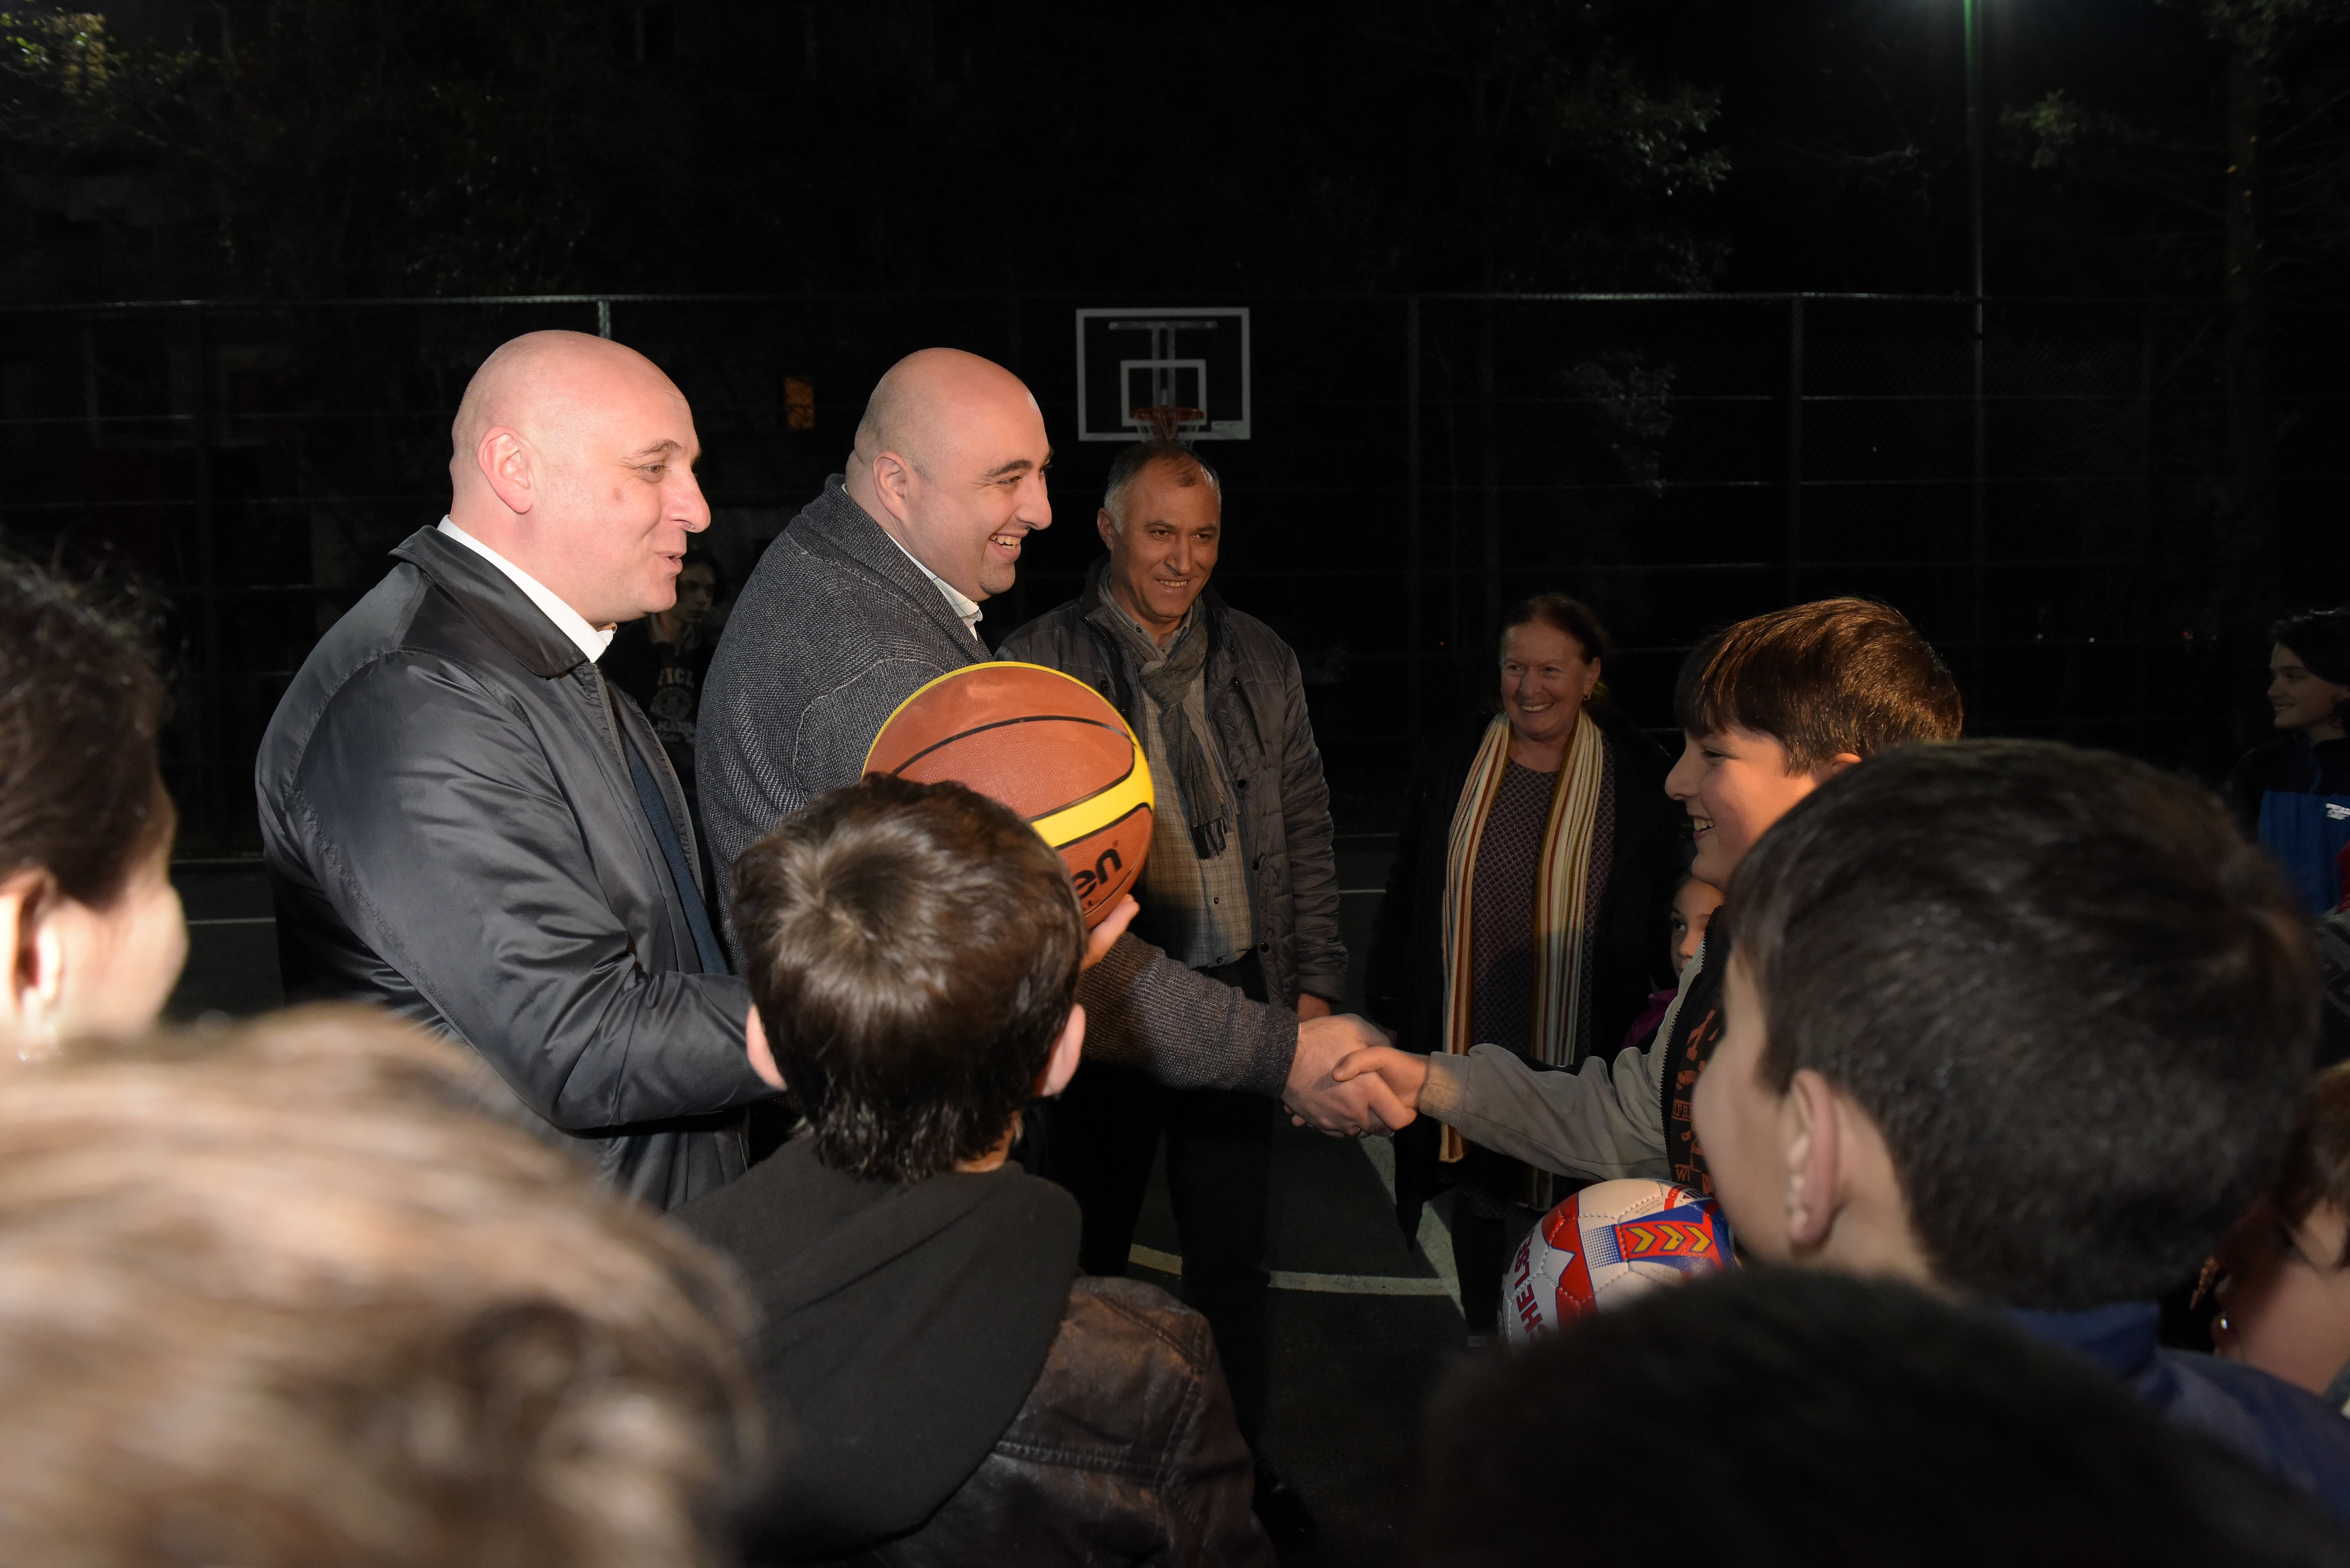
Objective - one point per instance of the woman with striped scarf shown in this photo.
(1527, 908)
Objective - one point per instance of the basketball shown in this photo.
(1607, 1244)
(1046, 744)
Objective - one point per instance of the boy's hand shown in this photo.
(1405, 1072)
(1343, 1110)
(1104, 937)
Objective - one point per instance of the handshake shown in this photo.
(1348, 1079)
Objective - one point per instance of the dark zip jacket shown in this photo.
(451, 832)
(1256, 706)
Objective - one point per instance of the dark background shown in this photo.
(1669, 305)
(1436, 214)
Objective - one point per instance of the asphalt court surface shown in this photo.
(1363, 1325)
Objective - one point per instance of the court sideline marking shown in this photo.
(1435, 1243)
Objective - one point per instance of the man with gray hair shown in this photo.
(875, 589)
(1241, 886)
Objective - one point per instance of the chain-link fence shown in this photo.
(2056, 503)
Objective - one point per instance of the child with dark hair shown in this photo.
(2022, 1025)
(2293, 793)
(2284, 1272)
(1785, 1416)
(1771, 709)
(91, 937)
(948, 1390)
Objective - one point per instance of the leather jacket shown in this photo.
(452, 833)
(1125, 1452)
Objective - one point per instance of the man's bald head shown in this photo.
(913, 409)
(540, 382)
(950, 460)
(573, 458)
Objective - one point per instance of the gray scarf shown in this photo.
(1169, 681)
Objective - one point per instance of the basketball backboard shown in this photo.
(1134, 360)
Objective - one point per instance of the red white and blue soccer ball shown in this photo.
(1603, 1246)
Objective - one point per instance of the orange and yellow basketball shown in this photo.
(1046, 745)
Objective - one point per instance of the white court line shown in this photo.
(1328, 1284)
(237, 921)
(1435, 1242)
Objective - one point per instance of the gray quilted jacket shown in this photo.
(834, 629)
(1256, 706)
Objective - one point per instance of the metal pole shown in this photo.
(604, 314)
(1796, 449)
(1975, 203)
(1414, 647)
(209, 735)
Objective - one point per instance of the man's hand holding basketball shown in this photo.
(1314, 1097)
(1102, 938)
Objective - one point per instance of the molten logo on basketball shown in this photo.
(1099, 876)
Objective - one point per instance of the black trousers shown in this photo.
(1098, 1142)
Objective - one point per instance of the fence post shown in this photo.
(1414, 645)
(1796, 449)
(213, 757)
(603, 318)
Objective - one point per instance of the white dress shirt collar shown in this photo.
(957, 601)
(590, 640)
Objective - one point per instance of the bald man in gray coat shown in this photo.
(875, 588)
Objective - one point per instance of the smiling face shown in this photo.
(2284, 1296)
(1546, 680)
(575, 460)
(1735, 784)
(1161, 558)
(2304, 701)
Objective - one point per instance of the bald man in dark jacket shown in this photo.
(873, 590)
(464, 824)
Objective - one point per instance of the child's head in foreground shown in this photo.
(2019, 1021)
(1776, 705)
(912, 953)
(1789, 1416)
(2284, 1269)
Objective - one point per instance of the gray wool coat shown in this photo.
(1256, 706)
(834, 629)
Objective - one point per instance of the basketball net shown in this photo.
(1167, 420)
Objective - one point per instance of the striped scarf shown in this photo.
(1563, 896)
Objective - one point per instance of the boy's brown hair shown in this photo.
(2317, 1155)
(912, 949)
(1829, 677)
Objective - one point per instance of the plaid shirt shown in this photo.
(1196, 911)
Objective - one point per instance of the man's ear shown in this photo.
(1809, 1123)
(762, 1059)
(893, 481)
(508, 466)
(1062, 1065)
(32, 960)
(1107, 526)
(1833, 765)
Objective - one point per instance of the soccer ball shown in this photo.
(1606, 1245)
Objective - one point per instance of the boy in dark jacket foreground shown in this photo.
(944, 1388)
(2021, 1024)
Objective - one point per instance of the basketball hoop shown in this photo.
(1166, 419)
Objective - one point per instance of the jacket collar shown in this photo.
(2121, 1337)
(844, 526)
(494, 602)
